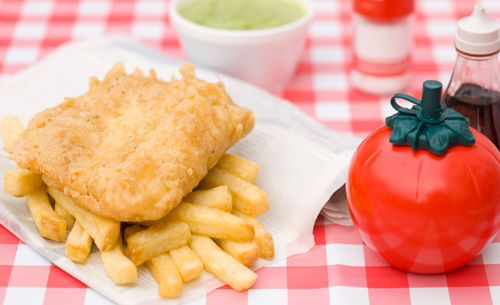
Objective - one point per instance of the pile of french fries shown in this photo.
(213, 228)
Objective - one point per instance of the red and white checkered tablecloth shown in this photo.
(339, 269)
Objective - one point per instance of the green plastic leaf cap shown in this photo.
(427, 125)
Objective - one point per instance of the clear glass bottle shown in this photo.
(474, 88)
(474, 91)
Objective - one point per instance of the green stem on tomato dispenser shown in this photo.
(427, 125)
(431, 100)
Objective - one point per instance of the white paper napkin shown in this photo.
(336, 210)
(302, 162)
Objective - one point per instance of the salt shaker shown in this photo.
(382, 41)
(474, 88)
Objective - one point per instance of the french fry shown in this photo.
(166, 275)
(247, 198)
(68, 218)
(131, 230)
(49, 224)
(212, 222)
(78, 244)
(11, 129)
(20, 182)
(246, 253)
(187, 262)
(222, 265)
(104, 231)
(119, 267)
(218, 197)
(144, 245)
(263, 238)
(241, 167)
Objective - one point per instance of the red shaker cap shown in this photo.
(383, 10)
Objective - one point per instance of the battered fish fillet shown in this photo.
(133, 146)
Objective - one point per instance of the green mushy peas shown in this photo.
(242, 14)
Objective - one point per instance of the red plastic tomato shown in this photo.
(424, 212)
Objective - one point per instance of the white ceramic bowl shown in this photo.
(266, 58)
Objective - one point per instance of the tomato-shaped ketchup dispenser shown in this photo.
(424, 190)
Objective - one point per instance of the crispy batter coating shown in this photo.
(133, 146)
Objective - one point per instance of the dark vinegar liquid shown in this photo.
(481, 106)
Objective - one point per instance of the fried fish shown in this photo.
(133, 146)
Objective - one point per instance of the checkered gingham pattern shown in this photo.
(339, 269)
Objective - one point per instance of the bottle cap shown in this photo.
(478, 34)
(383, 10)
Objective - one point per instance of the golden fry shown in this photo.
(68, 218)
(222, 265)
(263, 238)
(213, 222)
(78, 244)
(119, 267)
(218, 197)
(187, 262)
(166, 275)
(241, 167)
(246, 253)
(11, 129)
(20, 182)
(103, 230)
(49, 224)
(146, 244)
(247, 198)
